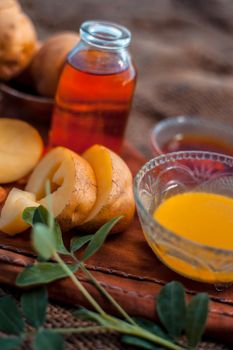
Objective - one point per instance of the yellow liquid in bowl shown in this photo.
(204, 218)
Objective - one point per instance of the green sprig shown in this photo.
(176, 317)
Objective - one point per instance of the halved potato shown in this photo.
(20, 149)
(114, 190)
(72, 182)
(11, 221)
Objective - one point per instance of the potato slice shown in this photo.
(11, 221)
(114, 190)
(100, 160)
(72, 182)
(20, 149)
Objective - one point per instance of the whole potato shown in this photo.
(47, 64)
(4, 4)
(18, 39)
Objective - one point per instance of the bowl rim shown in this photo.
(5, 88)
(152, 163)
(205, 122)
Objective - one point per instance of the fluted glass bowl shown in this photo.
(173, 173)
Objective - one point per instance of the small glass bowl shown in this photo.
(167, 129)
(173, 173)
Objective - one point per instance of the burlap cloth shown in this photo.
(62, 317)
(184, 53)
(183, 50)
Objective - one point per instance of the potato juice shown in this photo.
(204, 218)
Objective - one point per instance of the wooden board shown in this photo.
(127, 268)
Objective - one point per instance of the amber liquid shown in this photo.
(197, 143)
(91, 108)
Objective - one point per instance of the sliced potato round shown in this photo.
(114, 190)
(20, 149)
(100, 160)
(72, 182)
(11, 221)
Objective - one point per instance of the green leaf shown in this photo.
(78, 242)
(86, 314)
(10, 319)
(139, 342)
(28, 214)
(42, 216)
(145, 344)
(10, 343)
(49, 340)
(60, 247)
(151, 327)
(42, 273)
(171, 308)
(99, 237)
(43, 240)
(34, 304)
(197, 312)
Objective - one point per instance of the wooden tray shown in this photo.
(127, 268)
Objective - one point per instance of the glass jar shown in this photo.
(95, 90)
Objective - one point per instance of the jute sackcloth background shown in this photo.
(183, 50)
(60, 317)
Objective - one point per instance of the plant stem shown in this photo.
(77, 330)
(142, 333)
(107, 295)
(79, 285)
(115, 324)
(122, 328)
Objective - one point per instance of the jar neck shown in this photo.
(83, 45)
(105, 36)
(97, 60)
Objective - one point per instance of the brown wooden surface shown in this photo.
(127, 268)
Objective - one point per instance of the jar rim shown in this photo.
(105, 35)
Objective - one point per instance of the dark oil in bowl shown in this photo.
(191, 142)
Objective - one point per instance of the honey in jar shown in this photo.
(95, 90)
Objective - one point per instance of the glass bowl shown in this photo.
(173, 173)
(202, 128)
